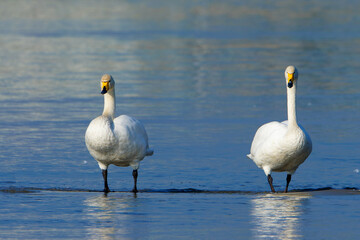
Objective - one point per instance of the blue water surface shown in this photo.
(201, 76)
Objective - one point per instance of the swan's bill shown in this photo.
(290, 78)
(104, 87)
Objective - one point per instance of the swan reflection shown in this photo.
(110, 217)
(277, 216)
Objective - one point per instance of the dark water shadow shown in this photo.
(312, 191)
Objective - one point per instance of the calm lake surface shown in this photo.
(202, 76)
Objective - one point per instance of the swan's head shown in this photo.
(107, 83)
(291, 75)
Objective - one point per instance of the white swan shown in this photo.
(121, 141)
(282, 146)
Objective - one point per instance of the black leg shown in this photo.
(106, 187)
(135, 175)
(270, 180)
(288, 179)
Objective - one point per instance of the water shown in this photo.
(202, 76)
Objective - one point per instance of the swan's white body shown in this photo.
(282, 146)
(277, 149)
(122, 141)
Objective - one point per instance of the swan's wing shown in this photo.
(307, 140)
(132, 126)
(307, 147)
(265, 136)
(285, 122)
(100, 140)
(132, 137)
(98, 135)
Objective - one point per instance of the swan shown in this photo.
(122, 141)
(281, 147)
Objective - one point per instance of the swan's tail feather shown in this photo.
(250, 156)
(149, 152)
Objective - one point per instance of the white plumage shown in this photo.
(121, 141)
(282, 146)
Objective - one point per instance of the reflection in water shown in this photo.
(277, 217)
(112, 217)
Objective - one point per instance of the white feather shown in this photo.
(281, 146)
(122, 141)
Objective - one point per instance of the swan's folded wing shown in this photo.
(135, 127)
(264, 136)
(132, 136)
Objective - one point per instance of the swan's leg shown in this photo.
(135, 175)
(270, 180)
(288, 179)
(106, 187)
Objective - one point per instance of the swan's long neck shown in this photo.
(291, 108)
(109, 104)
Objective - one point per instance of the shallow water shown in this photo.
(202, 76)
(178, 214)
